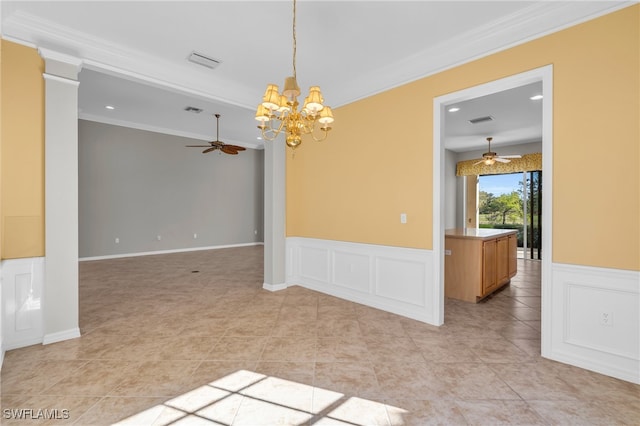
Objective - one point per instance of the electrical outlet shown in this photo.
(159, 237)
(117, 240)
(195, 236)
(403, 218)
(606, 319)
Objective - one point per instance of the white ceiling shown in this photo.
(516, 119)
(134, 55)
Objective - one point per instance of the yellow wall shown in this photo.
(22, 152)
(376, 163)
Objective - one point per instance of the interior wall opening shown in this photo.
(444, 172)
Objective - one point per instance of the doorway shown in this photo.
(544, 75)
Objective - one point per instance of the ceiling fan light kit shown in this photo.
(218, 144)
(489, 158)
(279, 112)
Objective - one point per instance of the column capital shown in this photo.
(60, 64)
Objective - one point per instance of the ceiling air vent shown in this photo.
(481, 119)
(194, 110)
(200, 59)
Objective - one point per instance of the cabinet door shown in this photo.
(513, 255)
(502, 260)
(489, 252)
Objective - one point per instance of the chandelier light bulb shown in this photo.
(271, 98)
(262, 114)
(313, 103)
(326, 116)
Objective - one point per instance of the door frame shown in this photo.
(545, 75)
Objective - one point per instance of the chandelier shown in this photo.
(279, 111)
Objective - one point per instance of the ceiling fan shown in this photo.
(219, 145)
(489, 158)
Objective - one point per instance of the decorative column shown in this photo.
(274, 215)
(60, 293)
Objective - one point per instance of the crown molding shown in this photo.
(101, 55)
(535, 21)
(162, 130)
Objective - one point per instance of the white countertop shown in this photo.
(481, 233)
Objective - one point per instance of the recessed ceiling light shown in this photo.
(536, 97)
(453, 109)
(110, 107)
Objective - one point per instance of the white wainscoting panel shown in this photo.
(314, 263)
(595, 316)
(1, 322)
(351, 271)
(22, 283)
(394, 279)
(402, 280)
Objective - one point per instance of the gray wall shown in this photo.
(135, 185)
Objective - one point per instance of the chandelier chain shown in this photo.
(294, 39)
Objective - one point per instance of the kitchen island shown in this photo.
(478, 261)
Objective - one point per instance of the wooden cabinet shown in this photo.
(502, 259)
(513, 255)
(478, 262)
(489, 266)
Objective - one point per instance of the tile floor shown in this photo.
(192, 338)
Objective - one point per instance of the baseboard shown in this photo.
(182, 250)
(274, 287)
(23, 343)
(61, 335)
(595, 320)
(394, 279)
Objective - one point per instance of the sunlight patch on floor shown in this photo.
(253, 399)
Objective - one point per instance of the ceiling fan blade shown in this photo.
(218, 144)
(481, 161)
(502, 160)
(511, 156)
(228, 150)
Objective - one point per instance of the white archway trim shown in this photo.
(545, 75)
